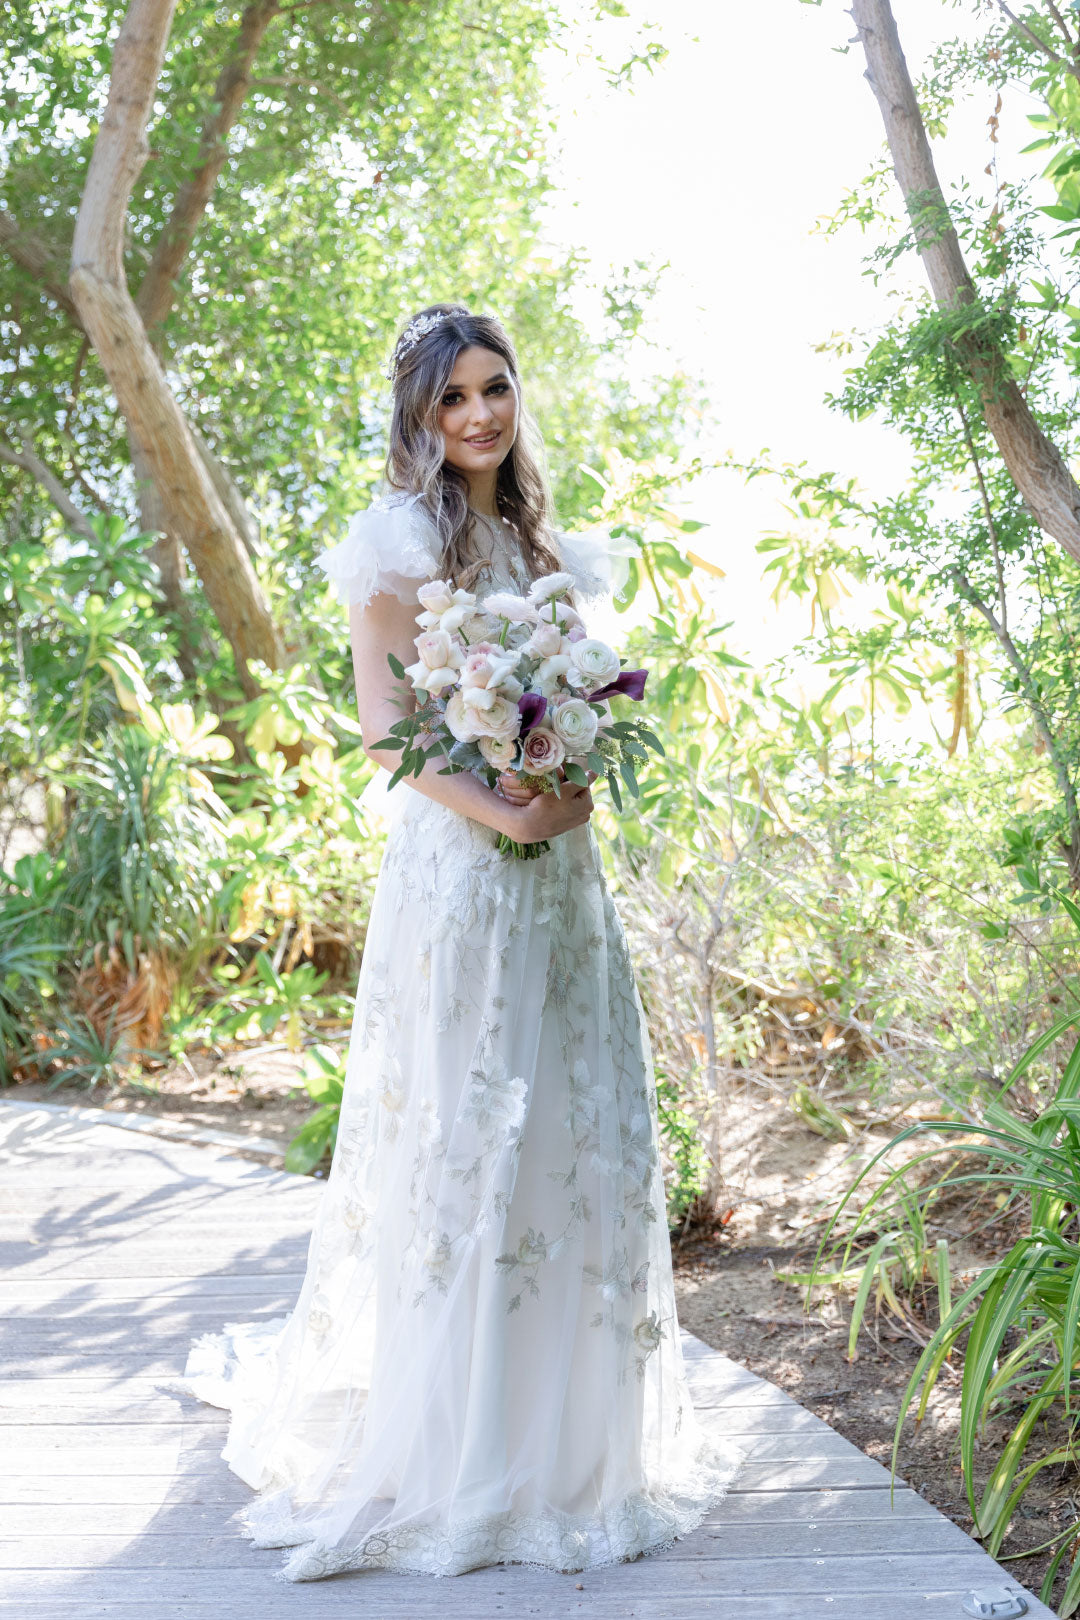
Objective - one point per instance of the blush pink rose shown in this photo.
(543, 751)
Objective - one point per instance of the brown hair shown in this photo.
(416, 461)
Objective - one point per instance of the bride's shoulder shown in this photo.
(390, 545)
(599, 561)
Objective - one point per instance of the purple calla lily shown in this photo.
(631, 684)
(533, 707)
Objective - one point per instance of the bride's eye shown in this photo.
(451, 399)
(498, 388)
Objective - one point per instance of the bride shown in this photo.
(483, 1366)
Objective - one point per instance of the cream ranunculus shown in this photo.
(594, 660)
(479, 697)
(549, 673)
(498, 751)
(501, 719)
(543, 751)
(460, 720)
(507, 606)
(574, 723)
(549, 585)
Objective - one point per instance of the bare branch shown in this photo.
(34, 256)
(1029, 33)
(1039, 718)
(1059, 19)
(158, 289)
(30, 462)
(290, 81)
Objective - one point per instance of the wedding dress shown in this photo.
(483, 1365)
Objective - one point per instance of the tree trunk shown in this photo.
(192, 509)
(1035, 464)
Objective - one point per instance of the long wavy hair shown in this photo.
(416, 462)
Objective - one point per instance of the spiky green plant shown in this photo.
(1029, 1297)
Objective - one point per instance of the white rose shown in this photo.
(501, 719)
(435, 649)
(511, 688)
(488, 664)
(436, 595)
(594, 660)
(574, 723)
(545, 641)
(498, 751)
(549, 585)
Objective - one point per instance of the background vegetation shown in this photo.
(848, 883)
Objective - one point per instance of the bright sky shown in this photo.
(720, 163)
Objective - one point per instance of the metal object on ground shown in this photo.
(995, 1603)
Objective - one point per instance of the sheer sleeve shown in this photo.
(389, 546)
(599, 566)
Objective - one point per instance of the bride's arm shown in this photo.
(385, 626)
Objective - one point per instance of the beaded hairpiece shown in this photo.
(420, 327)
(416, 329)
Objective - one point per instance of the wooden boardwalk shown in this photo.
(119, 1247)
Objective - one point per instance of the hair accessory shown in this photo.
(420, 327)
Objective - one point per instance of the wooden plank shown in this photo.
(193, 1530)
(27, 1293)
(764, 1516)
(353, 1595)
(640, 1580)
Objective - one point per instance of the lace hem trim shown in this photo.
(642, 1524)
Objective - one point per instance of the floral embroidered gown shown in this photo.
(483, 1365)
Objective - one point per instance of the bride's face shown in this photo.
(478, 412)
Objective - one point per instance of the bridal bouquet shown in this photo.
(516, 683)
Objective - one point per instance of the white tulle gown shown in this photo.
(483, 1365)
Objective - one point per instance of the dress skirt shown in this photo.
(484, 1363)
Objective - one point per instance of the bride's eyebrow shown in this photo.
(500, 376)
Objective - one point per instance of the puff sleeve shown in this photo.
(598, 562)
(390, 546)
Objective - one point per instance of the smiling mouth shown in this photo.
(483, 443)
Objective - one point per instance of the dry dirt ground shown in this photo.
(783, 1182)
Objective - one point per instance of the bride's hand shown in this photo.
(517, 792)
(514, 790)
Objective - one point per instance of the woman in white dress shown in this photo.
(484, 1364)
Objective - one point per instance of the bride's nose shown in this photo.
(481, 415)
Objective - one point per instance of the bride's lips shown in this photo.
(486, 441)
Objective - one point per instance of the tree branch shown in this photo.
(30, 462)
(34, 256)
(158, 289)
(1039, 717)
(1034, 462)
(1062, 24)
(1029, 33)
